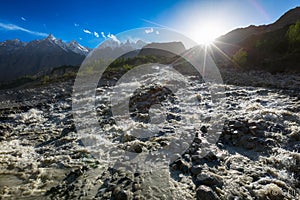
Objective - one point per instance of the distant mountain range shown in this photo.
(18, 59)
(110, 49)
(264, 47)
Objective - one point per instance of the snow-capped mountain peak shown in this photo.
(11, 45)
(126, 44)
(20, 58)
(72, 46)
(77, 48)
(51, 37)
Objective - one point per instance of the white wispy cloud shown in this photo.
(96, 34)
(23, 18)
(157, 32)
(13, 27)
(110, 36)
(103, 35)
(156, 24)
(87, 31)
(76, 25)
(149, 30)
(113, 37)
(91, 32)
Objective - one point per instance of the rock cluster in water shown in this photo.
(256, 157)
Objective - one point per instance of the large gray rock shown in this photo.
(206, 193)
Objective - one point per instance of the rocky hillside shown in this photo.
(240, 34)
(266, 47)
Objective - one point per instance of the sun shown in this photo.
(205, 34)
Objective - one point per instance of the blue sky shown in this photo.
(88, 21)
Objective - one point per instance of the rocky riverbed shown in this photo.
(257, 155)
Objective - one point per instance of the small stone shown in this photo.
(111, 186)
(119, 194)
(211, 156)
(237, 124)
(196, 169)
(136, 187)
(186, 157)
(295, 136)
(209, 179)
(101, 191)
(127, 137)
(181, 165)
(277, 128)
(136, 147)
(199, 98)
(197, 140)
(270, 191)
(206, 193)
(203, 129)
(197, 158)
